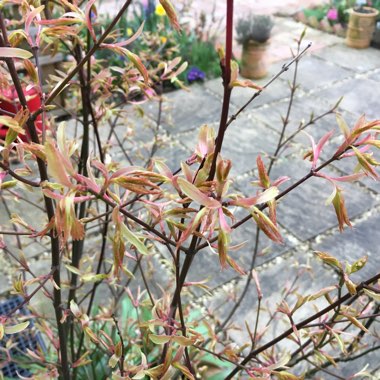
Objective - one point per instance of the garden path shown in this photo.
(326, 73)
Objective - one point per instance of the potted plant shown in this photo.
(361, 26)
(253, 33)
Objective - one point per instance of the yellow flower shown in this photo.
(129, 32)
(163, 39)
(160, 11)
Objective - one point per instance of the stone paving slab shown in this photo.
(304, 211)
(304, 106)
(359, 61)
(360, 96)
(314, 73)
(277, 91)
(185, 111)
(352, 244)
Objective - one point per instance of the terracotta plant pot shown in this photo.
(254, 60)
(361, 27)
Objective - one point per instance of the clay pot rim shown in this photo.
(255, 43)
(374, 12)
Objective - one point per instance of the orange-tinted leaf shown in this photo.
(160, 339)
(171, 13)
(88, 18)
(55, 167)
(266, 225)
(329, 259)
(263, 174)
(196, 195)
(135, 59)
(184, 370)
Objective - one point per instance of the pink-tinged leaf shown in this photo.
(9, 52)
(88, 19)
(223, 222)
(257, 283)
(171, 13)
(321, 143)
(187, 172)
(317, 148)
(163, 168)
(179, 71)
(223, 243)
(365, 163)
(133, 38)
(193, 225)
(75, 309)
(372, 126)
(349, 178)
(280, 180)
(31, 15)
(235, 266)
(92, 185)
(337, 199)
(266, 196)
(54, 163)
(206, 141)
(266, 225)
(135, 59)
(246, 84)
(196, 195)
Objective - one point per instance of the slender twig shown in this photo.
(30, 296)
(293, 89)
(55, 246)
(258, 93)
(18, 177)
(57, 90)
(122, 357)
(300, 325)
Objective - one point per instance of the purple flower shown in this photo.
(195, 74)
(149, 7)
(332, 14)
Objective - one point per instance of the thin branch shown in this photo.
(18, 177)
(300, 325)
(57, 90)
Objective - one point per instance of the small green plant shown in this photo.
(254, 28)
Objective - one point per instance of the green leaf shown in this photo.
(266, 225)
(159, 339)
(373, 295)
(359, 264)
(329, 259)
(340, 341)
(343, 125)
(134, 239)
(16, 328)
(9, 52)
(196, 195)
(183, 341)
